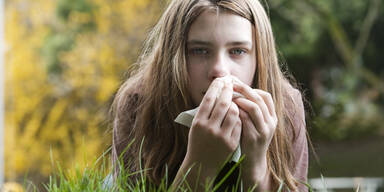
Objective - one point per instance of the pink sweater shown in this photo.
(300, 144)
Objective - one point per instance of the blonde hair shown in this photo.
(148, 102)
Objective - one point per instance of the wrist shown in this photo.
(198, 169)
(257, 174)
(191, 173)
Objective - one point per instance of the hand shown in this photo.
(259, 121)
(216, 128)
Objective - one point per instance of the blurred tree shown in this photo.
(64, 62)
(325, 44)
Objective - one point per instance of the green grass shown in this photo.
(93, 177)
(97, 177)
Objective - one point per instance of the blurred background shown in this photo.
(65, 59)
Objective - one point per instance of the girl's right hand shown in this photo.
(216, 128)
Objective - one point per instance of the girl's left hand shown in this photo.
(259, 121)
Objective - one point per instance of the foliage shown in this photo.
(64, 63)
(333, 49)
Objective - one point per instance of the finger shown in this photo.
(231, 119)
(222, 105)
(262, 105)
(246, 123)
(254, 112)
(209, 99)
(253, 96)
(268, 101)
(237, 129)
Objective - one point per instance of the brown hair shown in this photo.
(148, 102)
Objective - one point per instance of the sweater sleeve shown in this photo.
(300, 143)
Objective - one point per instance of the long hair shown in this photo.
(148, 102)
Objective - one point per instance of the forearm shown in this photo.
(260, 185)
(258, 177)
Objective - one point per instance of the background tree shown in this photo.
(333, 48)
(65, 60)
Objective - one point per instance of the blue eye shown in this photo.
(199, 51)
(237, 51)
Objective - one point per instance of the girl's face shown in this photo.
(219, 45)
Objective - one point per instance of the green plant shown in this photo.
(97, 177)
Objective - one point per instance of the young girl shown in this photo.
(194, 49)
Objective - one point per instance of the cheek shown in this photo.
(249, 76)
(246, 73)
(245, 78)
(195, 74)
(196, 70)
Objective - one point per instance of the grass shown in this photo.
(98, 178)
(95, 178)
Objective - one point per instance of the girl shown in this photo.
(194, 49)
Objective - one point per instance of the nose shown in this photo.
(219, 67)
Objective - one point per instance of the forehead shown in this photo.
(211, 25)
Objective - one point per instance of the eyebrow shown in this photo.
(207, 43)
(198, 42)
(247, 43)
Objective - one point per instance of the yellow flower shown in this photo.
(12, 187)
